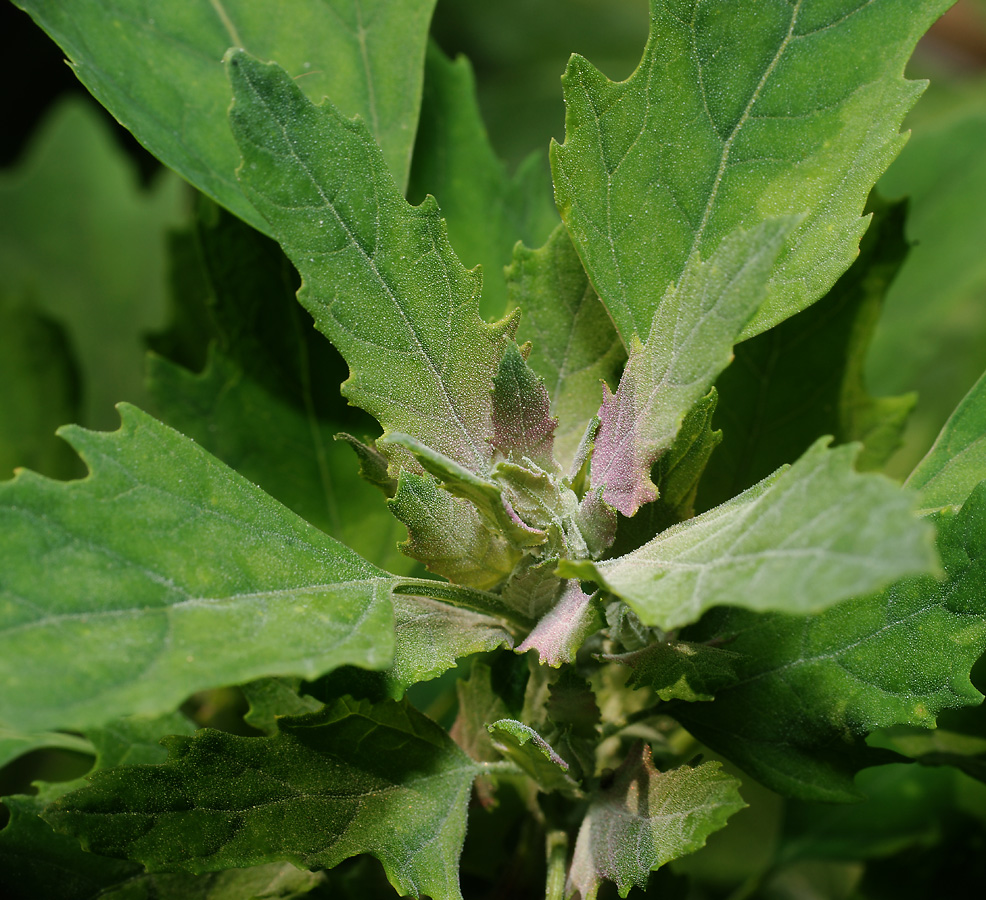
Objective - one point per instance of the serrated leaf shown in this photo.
(690, 341)
(804, 378)
(380, 277)
(160, 549)
(645, 819)
(77, 181)
(271, 698)
(957, 461)
(524, 746)
(447, 534)
(801, 540)
(824, 682)
(560, 633)
(736, 113)
(355, 778)
(679, 670)
(486, 209)
(574, 343)
(156, 71)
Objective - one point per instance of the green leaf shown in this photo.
(899, 657)
(479, 705)
(272, 698)
(647, 818)
(689, 343)
(35, 356)
(736, 113)
(574, 344)
(804, 378)
(522, 424)
(380, 277)
(156, 71)
(35, 861)
(146, 561)
(68, 209)
(679, 670)
(957, 461)
(487, 210)
(16, 743)
(276, 881)
(801, 540)
(560, 633)
(355, 778)
(523, 745)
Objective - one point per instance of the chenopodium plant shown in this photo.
(547, 466)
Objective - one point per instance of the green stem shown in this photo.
(461, 596)
(556, 848)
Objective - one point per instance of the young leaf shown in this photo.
(736, 113)
(574, 344)
(565, 627)
(355, 778)
(523, 745)
(155, 70)
(689, 343)
(819, 684)
(679, 670)
(647, 818)
(486, 209)
(801, 540)
(804, 378)
(957, 461)
(146, 561)
(522, 424)
(380, 277)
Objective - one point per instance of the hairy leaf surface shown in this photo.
(380, 277)
(737, 112)
(820, 684)
(799, 541)
(957, 461)
(523, 745)
(679, 670)
(574, 343)
(146, 563)
(155, 70)
(647, 818)
(355, 778)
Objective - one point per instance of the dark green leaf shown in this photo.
(678, 670)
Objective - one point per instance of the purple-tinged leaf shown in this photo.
(645, 819)
(523, 745)
(560, 633)
(522, 422)
(690, 342)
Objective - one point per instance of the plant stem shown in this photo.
(464, 597)
(556, 848)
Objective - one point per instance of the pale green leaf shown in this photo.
(647, 818)
(804, 378)
(380, 277)
(145, 562)
(574, 344)
(898, 657)
(487, 210)
(689, 343)
(522, 745)
(67, 212)
(801, 540)
(957, 461)
(156, 69)
(355, 778)
(738, 112)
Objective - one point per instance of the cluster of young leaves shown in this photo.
(716, 196)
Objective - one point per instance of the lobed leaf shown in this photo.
(737, 113)
(155, 70)
(645, 819)
(145, 561)
(801, 540)
(380, 277)
(820, 684)
(689, 343)
(355, 778)
(957, 461)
